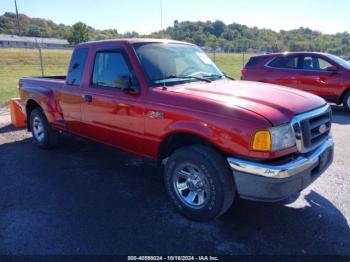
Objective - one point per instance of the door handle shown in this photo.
(321, 81)
(87, 98)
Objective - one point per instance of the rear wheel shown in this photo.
(199, 182)
(44, 136)
(346, 101)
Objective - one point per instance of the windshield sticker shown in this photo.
(204, 58)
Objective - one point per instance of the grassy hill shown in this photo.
(231, 37)
(16, 63)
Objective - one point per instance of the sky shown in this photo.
(143, 16)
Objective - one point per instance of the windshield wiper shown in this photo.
(229, 77)
(214, 76)
(182, 77)
(220, 76)
(102, 84)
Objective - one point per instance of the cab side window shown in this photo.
(313, 63)
(323, 64)
(308, 63)
(76, 67)
(110, 70)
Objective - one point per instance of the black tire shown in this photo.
(346, 104)
(214, 167)
(50, 136)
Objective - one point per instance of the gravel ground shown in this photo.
(87, 198)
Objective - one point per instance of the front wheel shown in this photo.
(199, 182)
(44, 136)
(346, 101)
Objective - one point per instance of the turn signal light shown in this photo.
(262, 141)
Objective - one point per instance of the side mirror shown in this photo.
(129, 85)
(332, 69)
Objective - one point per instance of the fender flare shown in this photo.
(194, 128)
(46, 100)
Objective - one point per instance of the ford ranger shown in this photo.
(216, 138)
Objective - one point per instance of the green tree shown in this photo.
(232, 37)
(212, 42)
(345, 41)
(199, 39)
(63, 32)
(131, 34)
(34, 30)
(78, 33)
(218, 27)
(229, 35)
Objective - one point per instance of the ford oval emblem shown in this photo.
(323, 129)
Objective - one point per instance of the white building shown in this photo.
(15, 41)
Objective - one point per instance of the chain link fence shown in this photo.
(16, 63)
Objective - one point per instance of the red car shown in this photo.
(167, 101)
(322, 74)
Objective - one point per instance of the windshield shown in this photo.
(171, 63)
(340, 61)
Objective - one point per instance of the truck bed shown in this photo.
(45, 81)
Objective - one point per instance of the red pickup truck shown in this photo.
(167, 101)
(322, 74)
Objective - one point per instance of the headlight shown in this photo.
(282, 137)
(274, 139)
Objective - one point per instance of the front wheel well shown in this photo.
(342, 95)
(31, 105)
(175, 141)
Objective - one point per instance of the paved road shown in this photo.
(86, 198)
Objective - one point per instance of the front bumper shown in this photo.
(272, 183)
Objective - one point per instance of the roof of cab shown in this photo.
(130, 41)
(290, 53)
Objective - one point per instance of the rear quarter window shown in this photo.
(76, 67)
(284, 62)
(255, 60)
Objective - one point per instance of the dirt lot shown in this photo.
(86, 198)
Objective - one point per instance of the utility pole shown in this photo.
(40, 57)
(41, 61)
(243, 59)
(161, 15)
(17, 18)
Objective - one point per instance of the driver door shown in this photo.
(317, 79)
(109, 114)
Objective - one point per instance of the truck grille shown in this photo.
(312, 128)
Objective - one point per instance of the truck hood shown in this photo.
(275, 103)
